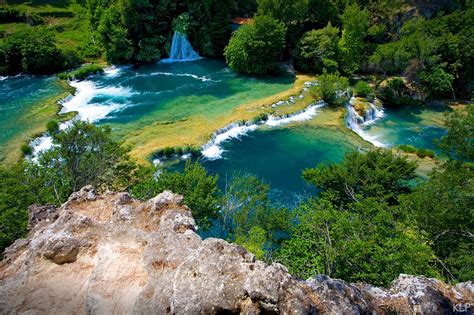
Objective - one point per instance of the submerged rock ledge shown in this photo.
(103, 254)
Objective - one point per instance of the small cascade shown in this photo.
(181, 49)
(355, 120)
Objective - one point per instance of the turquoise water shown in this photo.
(129, 99)
(167, 92)
(18, 95)
(414, 125)
(278, 156)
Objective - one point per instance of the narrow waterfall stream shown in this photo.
(181, 49)
(355, 120)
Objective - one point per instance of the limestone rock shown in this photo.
(106, 254)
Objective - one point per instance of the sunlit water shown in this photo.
(18, 96)
(413, 125)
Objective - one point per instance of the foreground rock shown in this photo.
(113, 254)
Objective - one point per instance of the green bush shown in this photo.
(52, 126)
(26, 150)
(330, 89)
(182, 23)
(363, 89)
(32, 51)
(167, 152)
(318, 50)
(407, 148)
(422, 153)
(255, 48)
(82, 73)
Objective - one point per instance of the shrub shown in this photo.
(82, 73)
(167, 152)
(33, 51)
(26, 150)
(363, 89)
(317, 50)
(255, 48)
(407, 148)
(422, 153)
(52, 126)
(330, 89)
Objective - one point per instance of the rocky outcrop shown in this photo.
(103, 254)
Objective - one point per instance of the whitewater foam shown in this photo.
(86, 91)
(292, 99)
(40, 145)
(213, 149)
(190, 75)
(355, 121)
(3, 78)
(303, 115)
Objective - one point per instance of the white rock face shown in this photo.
(112, 254)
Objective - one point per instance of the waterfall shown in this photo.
(181, 49)
(355, 121)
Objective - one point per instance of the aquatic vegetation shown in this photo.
(82, 73)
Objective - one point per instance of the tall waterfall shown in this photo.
(181, 49)
(355, 121)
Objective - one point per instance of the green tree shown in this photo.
(437, 82)
(331, 88)
(255, 48)
(250, 218)
(209, 29)
(82, 155)
(379, 174)
(442, 207)
(318, 50)
(285, 11)
(198, 188)
(458, 143)
(15, 197)
(114, 36)
(361, 243)
(32, 50)
(355, 23)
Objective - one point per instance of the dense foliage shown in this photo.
(318, 50)
(250, 218)
(370, 221)
(331, 89)
(199, 189)
(264, 37)
(32, 51)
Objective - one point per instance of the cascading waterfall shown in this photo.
(181, 49)
(355, 121)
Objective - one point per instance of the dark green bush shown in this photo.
(32, 50)
(26, 150)
(82, 73)
(407, 148)
(363, 89)
(52, 126)
(255, 48)
(422, 153)
(167, 152)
